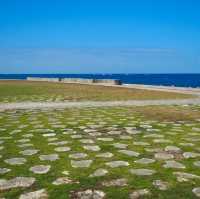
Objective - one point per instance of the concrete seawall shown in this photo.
(38, 79)
(77, 80)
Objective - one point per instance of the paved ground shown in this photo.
(40, 105)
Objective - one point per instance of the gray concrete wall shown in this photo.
(108, 81)
(40, 79)
(77, 80)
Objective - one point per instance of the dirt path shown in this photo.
(44, 105)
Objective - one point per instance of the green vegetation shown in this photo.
(16, 91)
(19, 128)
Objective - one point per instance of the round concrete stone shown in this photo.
(29, 152)
(173, 164)
(39, 194)
(92, 147)
(142, 172)
(145, 161)
(78, 155)
(129, 153)
(81, 163)
(40, 169)
(62, 149)
(50, 157)
(115, 164)
(99, 172)
(196, 191)
(15, 161)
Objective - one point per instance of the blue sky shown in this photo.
(99, 36)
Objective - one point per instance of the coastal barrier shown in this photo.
(77, 80)
(41, 79)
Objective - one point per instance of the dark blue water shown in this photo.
(183, 80)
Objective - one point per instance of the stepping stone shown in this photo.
(4, 170)
(139, 193)
(81, 163)
(197, 163)
(118, 183)
(58, 143)
(49, 135)
(40, 169)
(29, 152)
(132, 131)
(87, 141)
(78, 155)
(105, 139)
(52, 139)
(184, 177)
(64, 180)
(15, 161)
(163, 156)
(89, 194)
(65, 173)
(24, 140)
(105, 155)
(172, 149)
(76, 136)
(1, 148)
(129, 153)
(157, 150)
(126, 137)
(39, 194)
(142, 172)
(62, 149)
(92, 147)
(25, 145)
(99, 172)
(161, 141)
(144, 161)
(190, 155)
(196, 191)
(141, 143)
(50, 157)
(120, 145)
(114, 133)
(173, 164)
(153, 136)
(16, 183)
(115, 164)
(161, 185)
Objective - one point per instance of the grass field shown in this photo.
(97, 153)
(133, 135)
(15, 91)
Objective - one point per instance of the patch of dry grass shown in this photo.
(167, 113)
(78, 92)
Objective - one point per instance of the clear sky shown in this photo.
(99, 36)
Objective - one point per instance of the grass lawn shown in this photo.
(15, 91)
(134, 135)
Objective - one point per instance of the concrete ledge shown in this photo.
(77, 80)
(39, 79)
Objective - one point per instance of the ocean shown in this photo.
(181, 80)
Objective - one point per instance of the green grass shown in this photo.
(16, 91)
(113, 117)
